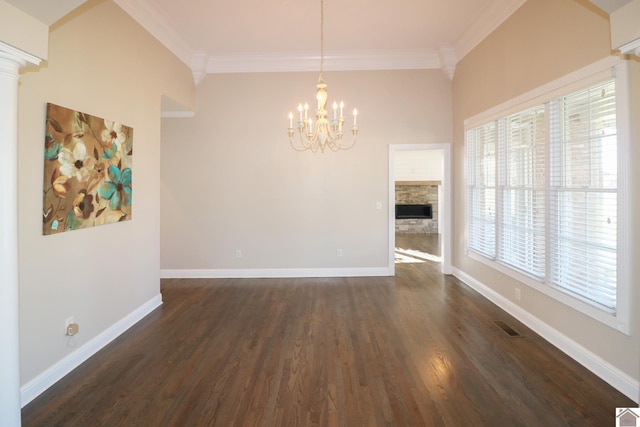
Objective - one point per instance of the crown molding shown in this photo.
(19, 57)
(143, 12)
(490, 19)
(631, 48)
(202, 62)
(262, 62)
(448, 59)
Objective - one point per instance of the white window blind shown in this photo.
(522, 185)
(481, 188)
(583, 194)
(543, 197)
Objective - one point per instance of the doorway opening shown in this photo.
(420, 174)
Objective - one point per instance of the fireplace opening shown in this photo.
(414, 211)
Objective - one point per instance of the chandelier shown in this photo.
(324, 133)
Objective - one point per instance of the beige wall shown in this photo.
(231, 181)
(624, 24)
(542, 41)
(22, 31)
(100, 62)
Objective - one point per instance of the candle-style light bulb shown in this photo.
(355, 117)
(335, 110)
(300, 111)
(306, 109)
(341, 108)
(290, 119)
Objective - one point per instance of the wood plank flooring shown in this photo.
(418, 349)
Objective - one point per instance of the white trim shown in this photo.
(264, 62)
(155, 23)
(631, 48)
(19, 57)
(487, 22)
(444, 217)
(274, 273)
(448, 60)
(46, 379)
(611, 320)
(603, 369)
(625, 197)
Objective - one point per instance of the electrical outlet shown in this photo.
(73, 329)
(339, 252)
(238, 253)
(379, 205)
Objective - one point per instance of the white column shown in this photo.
(11, 60)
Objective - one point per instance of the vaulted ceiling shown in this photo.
(284, 35)
(215, 36)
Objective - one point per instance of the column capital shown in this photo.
(10, 55)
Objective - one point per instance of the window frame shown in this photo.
(576, 81)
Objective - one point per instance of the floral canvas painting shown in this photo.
(87, 171)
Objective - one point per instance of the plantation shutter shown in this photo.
(481, 182)
(584, 195)
(522, 185)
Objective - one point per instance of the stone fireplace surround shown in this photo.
(417, 193)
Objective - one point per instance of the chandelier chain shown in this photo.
(321, 38)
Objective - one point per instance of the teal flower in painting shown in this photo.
(118, 190)
(109, 152)
(51, 147)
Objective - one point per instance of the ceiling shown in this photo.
(46, 12)
(610, 5)
(214, 36)
(218, 36)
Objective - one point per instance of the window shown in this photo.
(481, 161)
(521, 194)
(584, 192)
(543, 193)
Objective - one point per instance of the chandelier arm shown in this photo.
(307, 140)
(295, 146)
(311, 141)
(340, 146)
(336, 139)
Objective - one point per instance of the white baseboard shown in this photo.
(274, 273)
(39, 384)
(609, 373)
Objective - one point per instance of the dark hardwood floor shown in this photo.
(418, 349)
